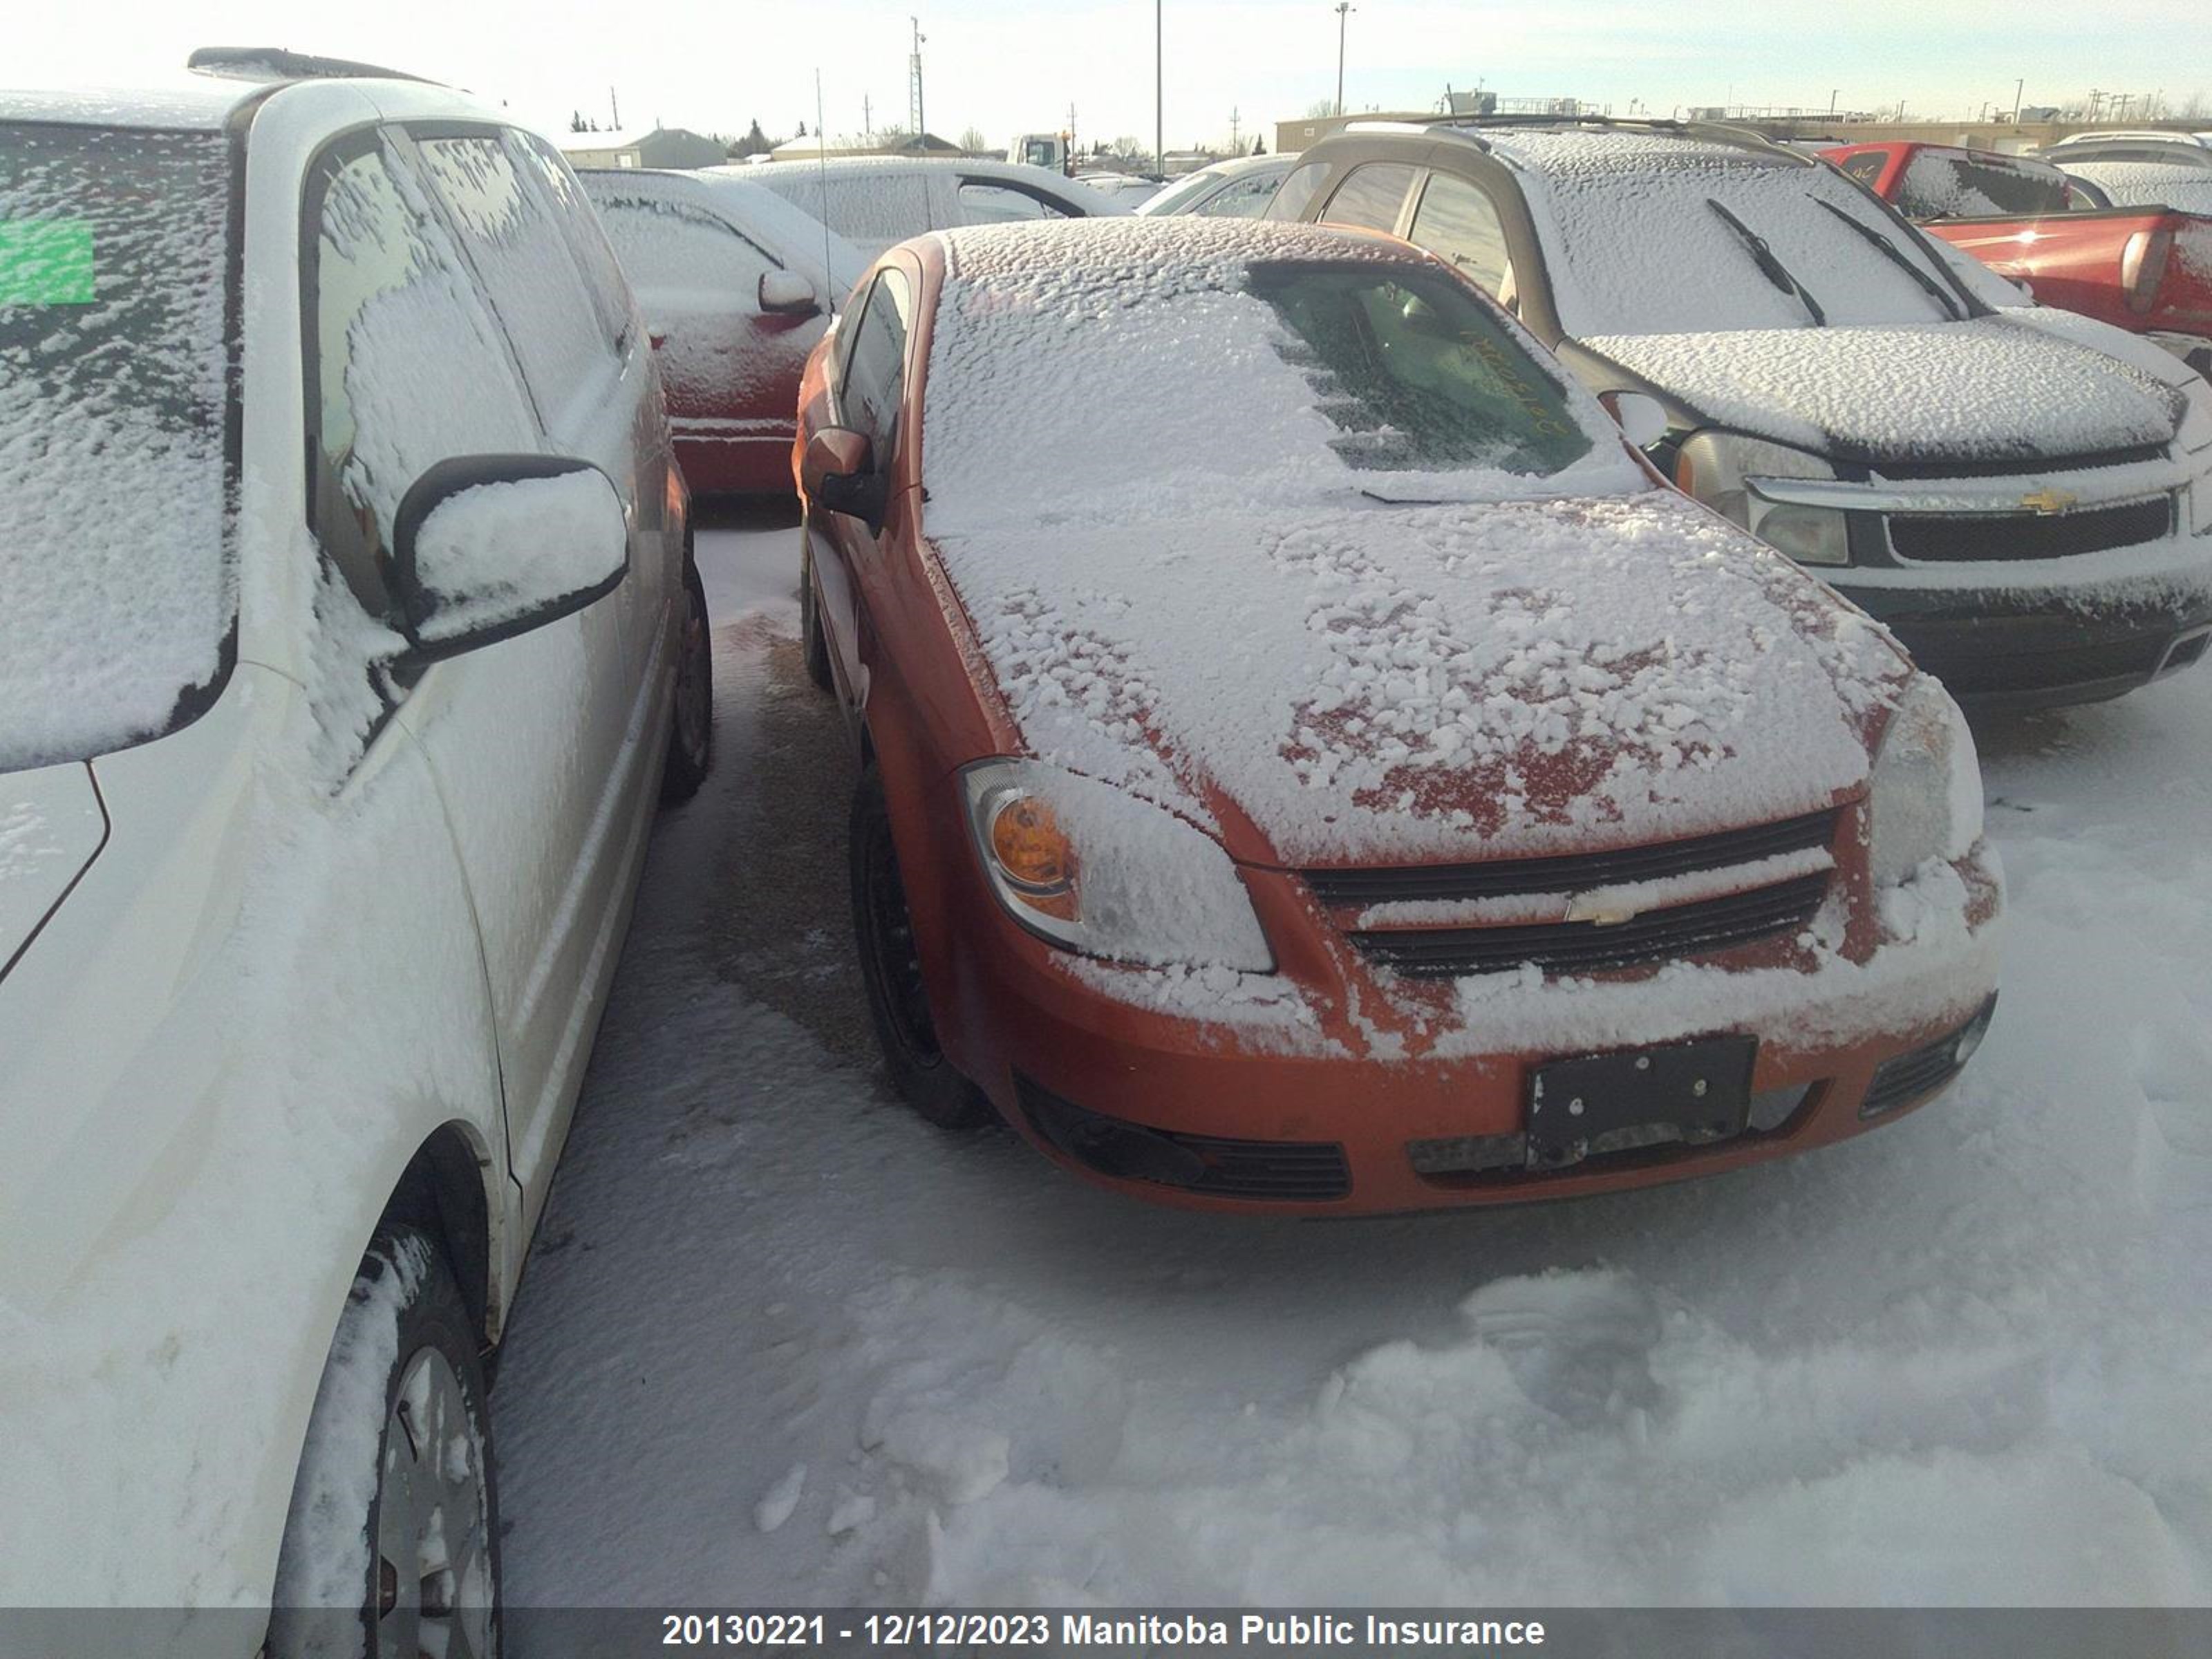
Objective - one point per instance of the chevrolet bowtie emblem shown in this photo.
(2047, 502)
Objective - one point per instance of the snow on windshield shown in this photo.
(1663, 236)
(1165, 365)
(119, 587)
(2150, 184)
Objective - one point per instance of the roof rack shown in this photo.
(1720, 132)
(278, 63)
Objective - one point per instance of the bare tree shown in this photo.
(972, 139)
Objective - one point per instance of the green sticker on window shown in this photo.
(45, 262)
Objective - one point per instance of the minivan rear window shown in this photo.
(113, 393)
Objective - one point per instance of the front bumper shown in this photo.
(1147, 1082)
(2008, 650)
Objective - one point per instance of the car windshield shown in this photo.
(1197, 389)
(1706, 242)
(1183, 190)
(1957, 184)
(2149, 184)
(112, 534)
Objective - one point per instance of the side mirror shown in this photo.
(486, 547)
(1643, 417)
(838, 472)
(788, 293)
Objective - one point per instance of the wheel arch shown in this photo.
(443, 1191)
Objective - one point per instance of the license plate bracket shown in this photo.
(1691, 1092)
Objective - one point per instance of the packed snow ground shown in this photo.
(783, 1343)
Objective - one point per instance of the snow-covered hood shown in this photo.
(1992, 388)
(1348, 683)
(51, 827)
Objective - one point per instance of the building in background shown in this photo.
(663, 147)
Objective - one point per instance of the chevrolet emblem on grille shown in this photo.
(1601, 910)
(2046, 503)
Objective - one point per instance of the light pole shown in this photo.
(1159, 92)
(2016, 87)
(1343, 10)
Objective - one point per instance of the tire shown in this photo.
(812, 642)
(403, 1372)
(890, 967)
(691, 731)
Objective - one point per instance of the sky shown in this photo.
(1003, 68)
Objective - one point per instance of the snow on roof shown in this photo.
(188, 102)
(1559, 153)
(1539, 659)
(628, 138)
(2149, 184)
(1986, 389)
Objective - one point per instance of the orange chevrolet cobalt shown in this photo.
(1310, 764)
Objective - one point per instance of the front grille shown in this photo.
(1956, 537)
(1577, 872)
(1309, 1171)
(1572, 947)
(1966, 672)
(2017, 466)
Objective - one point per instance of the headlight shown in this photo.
(1927, 795)
(1096, 870)
(1716, 468)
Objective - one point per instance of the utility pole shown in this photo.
(614, 107)
(1831, 103)
(1159, 92)
(867, 118)
(1343, 10)
(914, 81)
(2016, 86)
(1235, 141)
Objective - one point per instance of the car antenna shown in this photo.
(821, 157)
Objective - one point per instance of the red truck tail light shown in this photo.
(2143, 267)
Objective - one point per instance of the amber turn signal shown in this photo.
(1027, 841)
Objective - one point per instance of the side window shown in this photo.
(1244, 198)
(1371, 198)
(587, 241)
(1866, 167)
(1297, 191)
(982, 202)
(405, 363)
(682, 255)
(518, 250)
(874, 381)
(1458, 222)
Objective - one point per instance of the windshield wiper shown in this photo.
(1890, 253)
(1769, 267)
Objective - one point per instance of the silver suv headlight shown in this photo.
(1926, 801)
(1094, 869)
(1719, 468)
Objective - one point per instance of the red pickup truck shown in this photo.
(2148, 269)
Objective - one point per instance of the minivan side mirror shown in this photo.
(1643, 417)
(788, 293)
(486, 547)
(838, 472)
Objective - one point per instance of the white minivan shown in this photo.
(350, 636)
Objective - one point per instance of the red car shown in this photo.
(2148, 269)
(1311, 763)
(735, 284)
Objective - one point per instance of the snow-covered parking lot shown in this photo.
(783, 1343)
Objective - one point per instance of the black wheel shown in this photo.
(816, 647)
(890, 964)
(402, 1417)
(692, 733)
